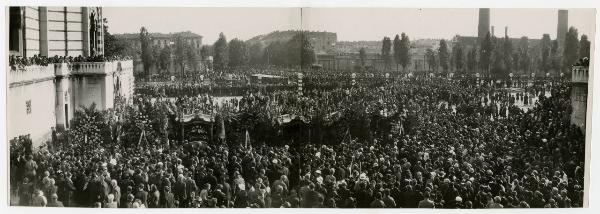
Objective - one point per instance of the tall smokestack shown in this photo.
(506, 31)
(493, 31)
(484, 22)
(563, 26)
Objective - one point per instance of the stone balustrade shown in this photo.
(101, 67)
(30, 73)
(580, 74)
(37, 72)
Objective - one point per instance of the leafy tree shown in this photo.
(571, 49)
(458, 57)
(507, 54)
(164, 58)
(191, 57)
(397, 50)
(362, 55)
(485, 53)
(386, 51)
(472, 60)
(205, 52)
(238, 53)
(555, 56)
(430, 56)
(146, 55)
(545, 58)
(300, 51)
(255, 53)
(180, 53)
(221, 53)
(404, 51)
(155, 57)
(497, 67)
(443, 55)
(308, 52)
(114, 46)
(584, 47)
(516, 62)
(524, 58)
(274, 54)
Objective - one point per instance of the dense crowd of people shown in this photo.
(374, 143)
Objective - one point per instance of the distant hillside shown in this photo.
(184, 34)
(323, 42)
(284, 36)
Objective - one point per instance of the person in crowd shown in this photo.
(54, 202)
(110, 202)
(408, 143)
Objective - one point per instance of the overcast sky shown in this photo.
(350, 24)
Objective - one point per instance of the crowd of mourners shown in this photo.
(18, 62)
(456, 143)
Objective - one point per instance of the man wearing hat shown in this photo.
(426, 202)
(142, 195)
(53, 202)
(168, 200)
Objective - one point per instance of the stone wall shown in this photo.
(38, 95)
(30, 103)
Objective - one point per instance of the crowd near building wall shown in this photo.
(43, 97)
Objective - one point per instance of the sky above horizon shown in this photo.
(350, 24)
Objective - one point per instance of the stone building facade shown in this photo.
(60, 31)
(44, 97)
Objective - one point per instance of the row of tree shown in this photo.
(498, 57)
(401, 54)
(183, 54)
(298, 51)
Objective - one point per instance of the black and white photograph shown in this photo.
(297, 107)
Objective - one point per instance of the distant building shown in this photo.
(372, 47)
(347, 56)
(469, 43)
(160, 41)
(50, 31)
(44, 97)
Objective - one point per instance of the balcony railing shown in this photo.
(38, 72)
(580, 74)
(101, 67)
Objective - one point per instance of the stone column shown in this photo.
(43, 30)
(85, 28)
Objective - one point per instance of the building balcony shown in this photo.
(101, 68)
(580, 74)
(30, 73)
